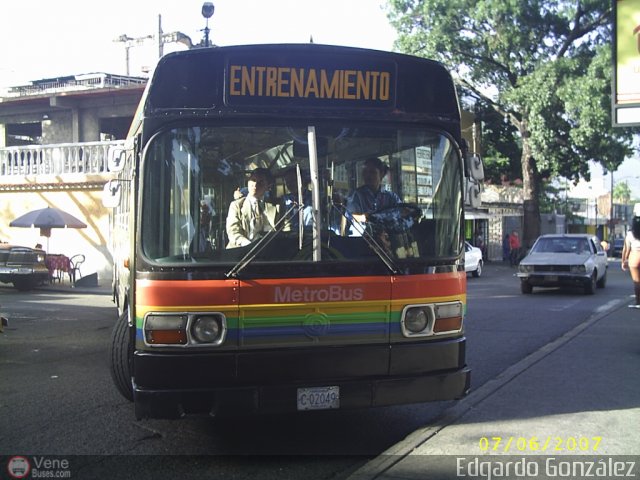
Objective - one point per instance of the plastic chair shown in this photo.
(74, 268)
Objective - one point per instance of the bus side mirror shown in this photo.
(475, 167)
(116, 159)
(473, 198)
(111, 194)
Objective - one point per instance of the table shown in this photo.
(57, 265)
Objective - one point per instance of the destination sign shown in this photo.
(344, 82)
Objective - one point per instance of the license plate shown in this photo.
(551, 278)
(318, 398)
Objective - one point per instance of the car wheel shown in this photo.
(525, 287)
(121, 356)
(590, 286)
(478, 271)
(603, 281)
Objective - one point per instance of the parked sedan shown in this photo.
(576, 260)
(22, 266)
(472, 259)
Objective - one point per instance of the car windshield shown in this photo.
(562, 245)
(197, 178)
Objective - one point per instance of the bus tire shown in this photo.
(121, 356)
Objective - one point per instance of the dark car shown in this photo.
(23, 266)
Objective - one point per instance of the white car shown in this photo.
(564, 260)
(472, 259)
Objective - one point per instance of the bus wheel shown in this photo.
(121, 356)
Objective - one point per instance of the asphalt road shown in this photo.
(57, 398)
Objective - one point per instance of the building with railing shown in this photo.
(56, 159)
(55, 139)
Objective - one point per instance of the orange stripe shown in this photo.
(298, 290)
(186, 292)
(429, 285)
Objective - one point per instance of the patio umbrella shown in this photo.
(47, 218)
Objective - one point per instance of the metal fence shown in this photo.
(56, 159)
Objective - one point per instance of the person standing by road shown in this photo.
(631, 254)
(514, 248)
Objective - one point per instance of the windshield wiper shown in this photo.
(260, 245)
(371, 241)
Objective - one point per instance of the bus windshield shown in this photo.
(320, 195)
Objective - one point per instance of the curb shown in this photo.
(398, 452)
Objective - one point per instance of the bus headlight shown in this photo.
(432, 319)
(417, 320)
(207, 329)
(203, 329)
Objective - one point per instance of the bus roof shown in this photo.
(301, 80)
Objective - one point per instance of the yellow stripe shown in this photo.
(142, 310)
(344, 307)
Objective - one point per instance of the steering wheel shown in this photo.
(400, 210)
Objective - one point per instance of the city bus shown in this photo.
(332, 311)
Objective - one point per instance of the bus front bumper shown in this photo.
(170, 386)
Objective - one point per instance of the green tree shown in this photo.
(544, 66)
(501, 148)
(622, 193)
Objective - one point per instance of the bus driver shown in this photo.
(370, 197)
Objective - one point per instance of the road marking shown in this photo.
(565, 306)
(607, 306)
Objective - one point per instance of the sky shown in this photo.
(44, 39)
(600, 184)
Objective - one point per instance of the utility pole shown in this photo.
(162, 38)
(171, 37)
(611, 224)
(130, 42)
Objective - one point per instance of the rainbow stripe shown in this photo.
(268, 313)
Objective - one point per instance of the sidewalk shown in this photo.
(579, 395)
(103, 288)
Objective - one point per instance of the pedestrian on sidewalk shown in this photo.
(631, 254)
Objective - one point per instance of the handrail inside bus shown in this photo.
(315, 190)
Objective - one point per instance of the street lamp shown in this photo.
(207, 12)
